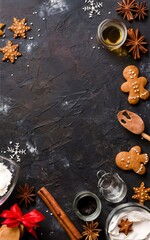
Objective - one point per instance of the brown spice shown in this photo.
(126, 8)
(60, 215)
(135, 43)
(141, 10)
(91, 231)
(125, 226)
(26, 194)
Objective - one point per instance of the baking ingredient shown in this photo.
(141, 10)
(91, 232)
(26, 194)
(5, 179)
(140, 226)
(60, 215)
(126, 9)
(112, 35)
(87, 205)
(136, 43)
(125, 226)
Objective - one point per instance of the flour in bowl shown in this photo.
(5, 179)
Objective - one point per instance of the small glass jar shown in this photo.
(112, 34)
(111, 186)
(136, 213)
(87, 205)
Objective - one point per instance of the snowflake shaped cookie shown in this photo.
(10, 52)
(19, 27)
(141, 193)
(92, 7)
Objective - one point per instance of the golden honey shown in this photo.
(111, 34)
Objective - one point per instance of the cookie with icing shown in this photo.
(141, 193)
(132, 160)
(19, 27)
(10, 52)
(134, 85)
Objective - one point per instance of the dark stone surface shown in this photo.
(63, 107)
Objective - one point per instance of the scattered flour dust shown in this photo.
(52, 7)
(32, 149)
(5, 105)
(5, 179)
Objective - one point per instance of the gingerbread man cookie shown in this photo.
(132, 160)
(134, 85)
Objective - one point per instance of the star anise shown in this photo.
(141, 10)
(135, 43)
(26, 194)
(126, 8)
(91, 231)
(125, 226)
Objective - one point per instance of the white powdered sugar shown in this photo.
(5, 179)
(140, 228)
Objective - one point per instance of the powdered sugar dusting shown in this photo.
(52, 7)
(5, 105)
(32, 149)
(30, 45)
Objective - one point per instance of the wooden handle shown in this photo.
(146, 136)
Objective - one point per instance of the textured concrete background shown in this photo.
(60, 101)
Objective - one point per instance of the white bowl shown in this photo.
(9, 167)
(136, 213)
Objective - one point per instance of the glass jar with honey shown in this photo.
(112, 34)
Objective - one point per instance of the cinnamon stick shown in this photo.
(60, 215)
